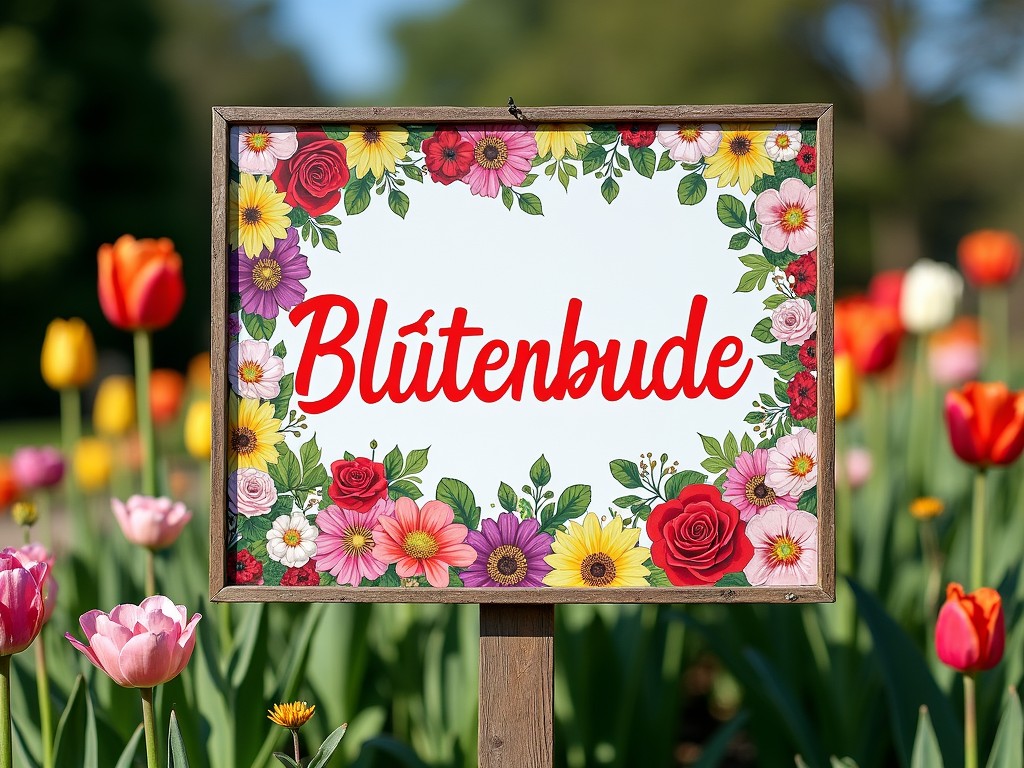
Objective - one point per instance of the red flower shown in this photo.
(312, 177)
(140, 283)
(698, 537)
(986, 423)
(803, 396)
(357, 484)
(306, 576)
(448, 155)
(970, 633)
(870, 333)
(803, 274)
(989, 257)
(246, 568)
(637, 134)
(807, 159)
(808, 354)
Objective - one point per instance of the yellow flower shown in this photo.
(253, 435)
(591, 556)
(113, 413)
(741, 157)
(291, 716)
(375, 147)
(93, 462)
(198, 430)
(262, 214)
(560, 139)
(69, 354)
(199, 372)
(24, 513)
(845, 386)
(927, 507)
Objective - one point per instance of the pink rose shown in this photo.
(251, 492)
(150, 522)
(794, 322)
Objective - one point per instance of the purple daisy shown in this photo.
(746, 489)
(271, 281)
(510, 553)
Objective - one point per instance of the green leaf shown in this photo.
(738, 579)
(739, 241)
(731, 448)
(530, 203)
(609, 189)
(413, 172)
(680, 480)
(416, 461)
(658, 577)
(1008, 748)
(532, 177)
(286, 761)
(323, 755)
(926, 745)
(457, 495)
(309, 455)
(545, 513)
(540, 472)
(604, 135)
(625, 502)
(507, 497)
(732, 212)
(407, 488)
(398, 201)
(563, 177)
(284, 396)
(287, 472)
(338, 134)
(711, 446)
(643, 160)
(747, 443)
(774, 300)
(315, 478)
(259, 327)
(328, 220)
(279, 349)
(763, 331)
(626, 472)
(357, 194)
(393, 464)
(622, 161)
(755, 417)
(298, 217)
(572, 503)
(780, 391)
(127, 758)
(692, 189)
(507, 197)
(314, 235)
(594, 156)
(176, 757)
(666, 163)
(330, 240)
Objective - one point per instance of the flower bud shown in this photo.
(24, 513)
(113, 413)
(970, 633)
(69, 354)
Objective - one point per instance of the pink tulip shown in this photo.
(22, 610)
(858, 467)
(151, 522)
(970, 633)
(33, 553)
(139, 646)
(37, 467)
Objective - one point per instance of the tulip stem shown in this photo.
(5, 712)
(143, 366)
(70, 434)
(919, 407)
(970, 724)
(978, 531)
(995, 313)
(45, 705)
(149, 720)
(150, 573)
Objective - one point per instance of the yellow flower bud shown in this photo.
(24, 513)
(113, 413)
(198, 430)
(927, 507)
(93, 463)
(846, 386)
(69, 354)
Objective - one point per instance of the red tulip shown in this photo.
(989, 257)
(166, 394)
(971, 631)
(140, 283)
(885, 290)
(869, 332)
(986, 423)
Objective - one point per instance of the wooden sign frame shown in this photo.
(225, 118)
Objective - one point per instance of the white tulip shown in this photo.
(928, 300)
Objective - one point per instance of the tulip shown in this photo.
(37, 467)
(871, 333)
(93, 463)
(858, 465)
(113, 412)
(199, 372)
(198, 430)
(885, 290)
(29, 555)
(954, 354)
(9, 490)
(989, 257)
(166, 392)
(149, 522)
(928, 300)
(69, 354)
(846, 390)
(986, 423)
(140, 283)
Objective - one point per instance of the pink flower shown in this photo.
(793, 463)
(251, 492)
(254, 370)
(785, 548)
(29, 554)
(501, 157)
(37, 467)
(858, 466)
(22, 607)
(150, 522)
(789, 217)
(139, 646)
(424, 541)
(689, 142)
(746, 489)
(794, 322)
(257, 148)
(346, 546)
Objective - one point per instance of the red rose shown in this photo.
(306, 576)
(247, 569)
(803, 274)
(808, 354)
(807, 159)
(636, 135)
(357, 484)
(803, 396)
(312, 177)
(448, 155)
(698, 538)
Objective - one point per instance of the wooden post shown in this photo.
(517, 686)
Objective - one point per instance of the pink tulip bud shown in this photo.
(151, 522)
(37, 467)
(21, 601)
(33, 553)
(139, 646)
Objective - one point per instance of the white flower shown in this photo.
(254, 371)
(251, 492)
(929, 296)
(794, 322)
(292, 540)
(689, 142)
(785, 548)
(793, 463)
(257, 148)
(783, 143)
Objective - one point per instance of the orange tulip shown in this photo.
(140, 283)
(989, 257)
(9, 491)
(986, 423)
(199, 372)
(869, 332)
(166, 393)
(970, 633)
(885, 290)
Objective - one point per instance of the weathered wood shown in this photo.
(517, 686)
(218, 354)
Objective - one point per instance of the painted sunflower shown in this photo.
(560, 139)
(741, 158)
(591, 556)
(253, 434)
(375, 147)
(262, 214)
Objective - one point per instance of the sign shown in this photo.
(576, 355)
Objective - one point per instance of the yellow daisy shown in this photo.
(375, 147)
(262, 214)
(590, 556)
(741, 157)
(253, 434)
(291, 715)
(560, 139)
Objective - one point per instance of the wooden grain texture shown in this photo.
(218, 354)
(517, 686)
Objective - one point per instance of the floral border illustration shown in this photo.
(746, 517)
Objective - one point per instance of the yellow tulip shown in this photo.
(93, 463)
(199, 372)
(846, 386)
(113, 413)
(69, 354)
(198, 431)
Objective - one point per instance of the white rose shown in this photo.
(930, 293)
(251, 492)
(794, 322)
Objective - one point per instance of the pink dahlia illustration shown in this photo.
(345, 547)
(746, 488)
(501, 157)
(510, 553)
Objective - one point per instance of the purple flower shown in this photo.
(234, 325)
(271, 281)
(37, 467)
(510, 553)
